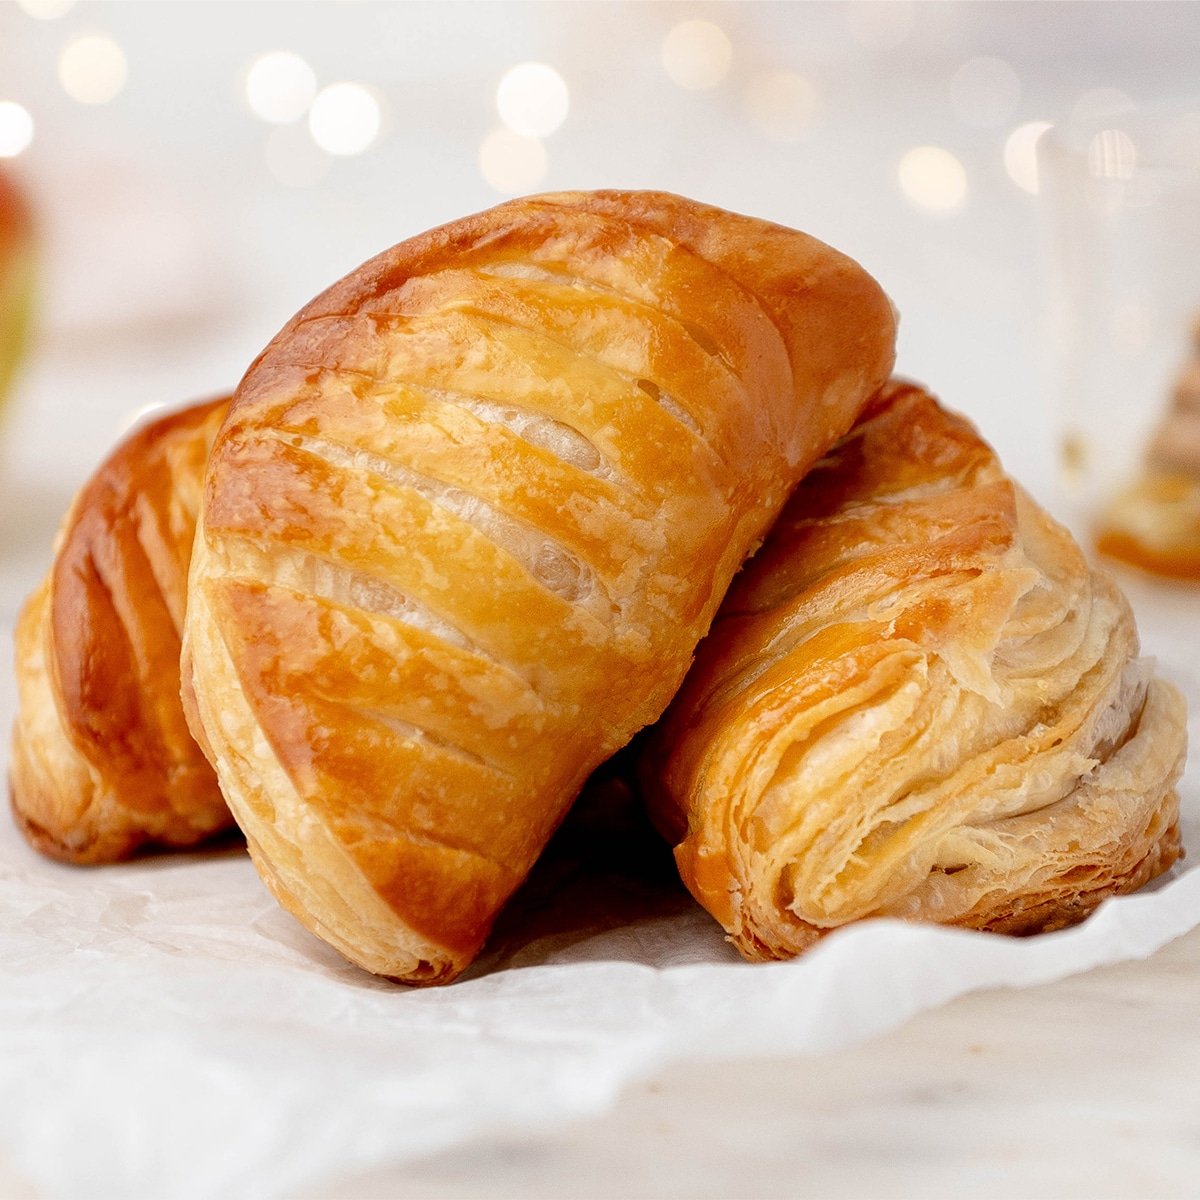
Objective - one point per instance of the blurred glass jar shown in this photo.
(1121, 195)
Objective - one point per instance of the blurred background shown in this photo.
(197, 171)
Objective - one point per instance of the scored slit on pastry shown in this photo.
(552, 565)
(918, 700)
(557, 428)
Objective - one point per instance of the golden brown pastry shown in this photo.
(102, 761)
(471, 512)
(917, 701)
(1154, 524)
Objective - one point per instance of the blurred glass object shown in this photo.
(1121, 196)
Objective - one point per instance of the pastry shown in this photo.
(917, 701)
(1154, 523)
(471, 512)
(102, 762)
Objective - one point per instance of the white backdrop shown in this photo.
(172, 252)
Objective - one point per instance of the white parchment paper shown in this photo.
(167, 1031)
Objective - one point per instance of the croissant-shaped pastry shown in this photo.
(102, 760)
(917, 701)
(471, 512)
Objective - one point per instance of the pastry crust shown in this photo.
(917, 701)
(102, 760)
(472, 510)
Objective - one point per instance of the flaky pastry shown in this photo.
(471, 512)
(917, 701)
(102, 760)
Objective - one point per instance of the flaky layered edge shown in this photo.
(1029, 833)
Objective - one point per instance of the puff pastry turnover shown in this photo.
(918, 701)
(102, 760)
(471, 512)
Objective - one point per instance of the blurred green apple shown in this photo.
(16, 278)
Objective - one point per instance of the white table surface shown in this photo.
(1089, 1087)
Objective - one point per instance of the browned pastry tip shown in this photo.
(102, 761)
(512, 465)
(918, 700)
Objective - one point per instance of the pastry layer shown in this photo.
(918, 700)
(472, 510)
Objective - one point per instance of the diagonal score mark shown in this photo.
(552, 566)
(407, 731)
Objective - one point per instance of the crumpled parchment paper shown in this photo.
(167, 1031)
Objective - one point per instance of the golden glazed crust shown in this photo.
(472, 510)
(916, 701)
(102, 760)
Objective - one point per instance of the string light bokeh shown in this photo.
(280, 144)
(16, 129)
(532, 99)
(92, 69)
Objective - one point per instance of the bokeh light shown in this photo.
(932, 179)
(532, 99)
(780, 105)
(92, 69)
(697, 54)
(985, 92)
(47, 10)
(344, 119)
(512, 163)
(280, 87)
(1111, 154)
(1020, 155)
(16, 129)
